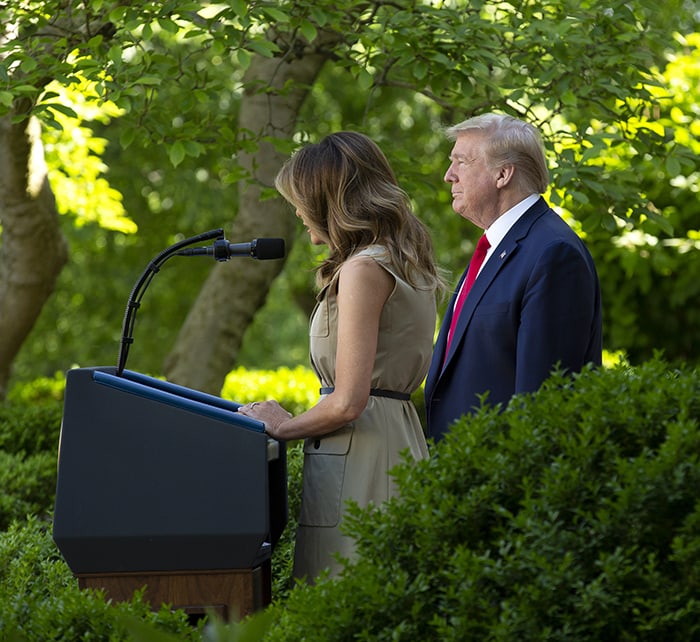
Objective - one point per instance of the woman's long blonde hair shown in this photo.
(349, 195)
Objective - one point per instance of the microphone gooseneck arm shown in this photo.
(222, 250)
(143, 282)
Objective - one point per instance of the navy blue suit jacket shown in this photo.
(535, 303)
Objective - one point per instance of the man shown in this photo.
(536, 301)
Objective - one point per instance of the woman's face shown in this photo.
(313, 236)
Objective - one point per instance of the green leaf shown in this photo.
(149, 80)
(176, 153)
(308, 30)
(63, 109)
(168, 25)
(193, 148)
(240, 7)
(218, 47)
(276, 15)
(579, 197)
(673, 166)
(115, 54)
(320, 17)
(661, 221)
(420, 70)
(127, 137)
(29, 64)
(141, 631)
(364, 79)
(243, 57)
(95, 42)
(569, 98)
(116, 16)
(263, 47)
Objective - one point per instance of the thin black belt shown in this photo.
(375, 392)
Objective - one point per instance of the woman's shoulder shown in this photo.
(372, 258)
(369, 263)
(375, 253)
(363, 277)
(375, 257)
(385, 260)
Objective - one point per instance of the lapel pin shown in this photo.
(502, 254)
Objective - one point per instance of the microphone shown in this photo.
(222, 250)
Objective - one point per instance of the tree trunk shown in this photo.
(210, 338)
(33, 249)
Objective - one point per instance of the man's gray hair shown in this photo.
(510, 141)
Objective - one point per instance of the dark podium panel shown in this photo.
(158, 477)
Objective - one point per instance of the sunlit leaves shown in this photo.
(76, 171)
(586, 67)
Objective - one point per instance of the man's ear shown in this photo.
(505, 175)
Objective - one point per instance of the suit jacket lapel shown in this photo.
(505, 249)
(486, 276)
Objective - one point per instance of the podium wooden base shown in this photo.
(231, 594)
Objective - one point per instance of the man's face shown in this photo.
(474, 193)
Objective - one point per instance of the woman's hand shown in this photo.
(270, 413)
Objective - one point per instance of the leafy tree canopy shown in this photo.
(584, 72)
(171, 77)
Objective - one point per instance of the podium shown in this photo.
(167, 488)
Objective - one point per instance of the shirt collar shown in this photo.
(500, 227)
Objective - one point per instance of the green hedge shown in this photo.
(29, 434)
(40, 600)
(572, 515)
(28, 486)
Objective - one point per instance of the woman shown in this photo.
(371, 337)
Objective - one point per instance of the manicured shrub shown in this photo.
(28, 486)
(29, 428)
(29, 432)
(40, 390)
(294, 388)
(40, 600)
(572, 515)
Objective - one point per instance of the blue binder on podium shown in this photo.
(153, 476)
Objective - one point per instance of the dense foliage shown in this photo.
(649, 277)
(613, 84)
(572, 515)
(40, 600)
(28, 446)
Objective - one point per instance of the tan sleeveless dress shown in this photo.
(352, 462)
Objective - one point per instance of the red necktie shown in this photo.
(477, 259)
